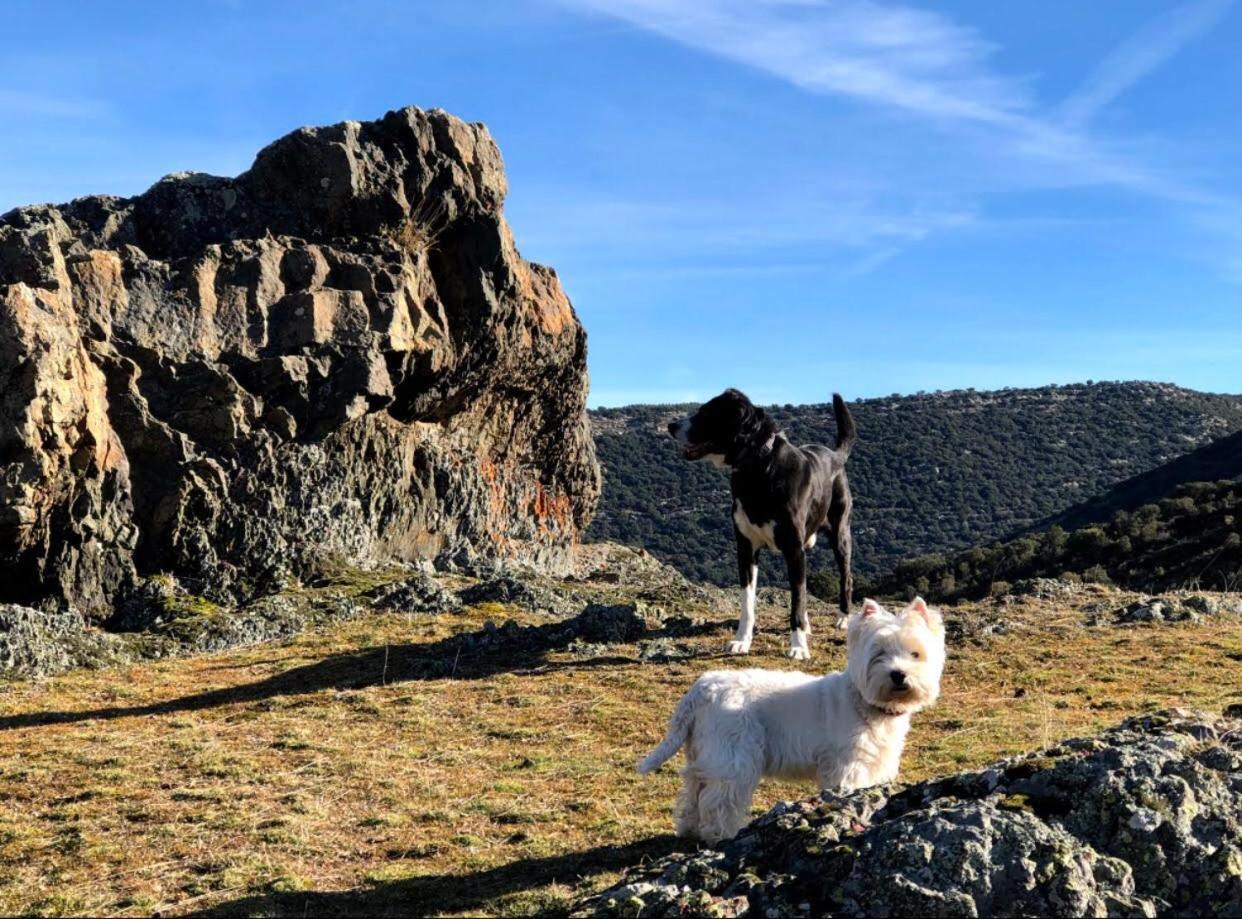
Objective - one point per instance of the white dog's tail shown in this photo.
(678, 732)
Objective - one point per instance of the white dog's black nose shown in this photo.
(898, 677)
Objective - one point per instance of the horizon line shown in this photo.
(926, 393)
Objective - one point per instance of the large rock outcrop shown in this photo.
(338, 353)
(1145, 819)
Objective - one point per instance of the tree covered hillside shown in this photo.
(1192, 538)
(1219, 460)
(930, 472)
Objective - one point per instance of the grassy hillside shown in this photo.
(931, 473)
(375, 768)
(1191, 538)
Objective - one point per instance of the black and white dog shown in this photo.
(782, 496)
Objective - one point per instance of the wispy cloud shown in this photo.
(1140, 54)
(849, 220)
(911, 59)
(15, 102)
(871, 262)
(927, 66)
(920, 62)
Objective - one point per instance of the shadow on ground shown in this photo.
(470, 656)
(453, 893)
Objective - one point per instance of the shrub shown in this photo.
(1096, 574)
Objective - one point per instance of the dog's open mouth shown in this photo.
(695, 451)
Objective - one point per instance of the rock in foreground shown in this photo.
(339, 353)
(1144, 819)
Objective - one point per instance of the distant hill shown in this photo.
(931, 472)
(1190, 538)
(1178, 524)
(1219, 460)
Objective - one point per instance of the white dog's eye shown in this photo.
(914, 654)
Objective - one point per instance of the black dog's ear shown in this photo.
(755, 428)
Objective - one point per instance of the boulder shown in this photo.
(420, 593)
(338, 353)
(1206, 606)
(1045, 588)
(42, 643)
(511, 589)
(1144, 611)
(1167, 609)
(1143, 819)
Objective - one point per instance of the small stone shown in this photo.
(662, 649)
(1144, 821)
(420, 594)
(1203, 605)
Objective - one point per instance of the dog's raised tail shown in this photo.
(678, 733)
(846, 432)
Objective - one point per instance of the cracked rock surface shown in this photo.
(338, 353)
(1141, 820)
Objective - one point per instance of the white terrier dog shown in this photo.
(847, 729)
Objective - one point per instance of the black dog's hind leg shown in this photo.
(842, 543)
(748, 576)
(792, 546)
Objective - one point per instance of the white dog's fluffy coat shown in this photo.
(846, 729)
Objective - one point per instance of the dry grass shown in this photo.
(324, 776)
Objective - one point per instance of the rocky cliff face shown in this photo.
(338, 353)
(1140, 821)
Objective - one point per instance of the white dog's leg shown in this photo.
(848, 776)
(723, 809)
(800, 644)
(686, 810)
(830, 776)
(746, 622)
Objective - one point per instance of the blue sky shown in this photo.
(789, 197)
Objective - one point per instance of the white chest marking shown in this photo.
(758, 536)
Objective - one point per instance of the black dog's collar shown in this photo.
(762, 452)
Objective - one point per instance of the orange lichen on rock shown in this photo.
(339, 352)
(553, 513)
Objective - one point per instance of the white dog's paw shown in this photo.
(798, 654)
(843, 622)
(737, 647)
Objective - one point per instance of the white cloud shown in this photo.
(1140, 54)
(898, 57)
(15, 102)
(893, 55)
(587, 219)
(926, 66)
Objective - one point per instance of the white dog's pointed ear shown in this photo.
(918, 607)
(870, 607)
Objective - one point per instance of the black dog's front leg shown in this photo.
(842, 544)
(748, 575)
(792, 546)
